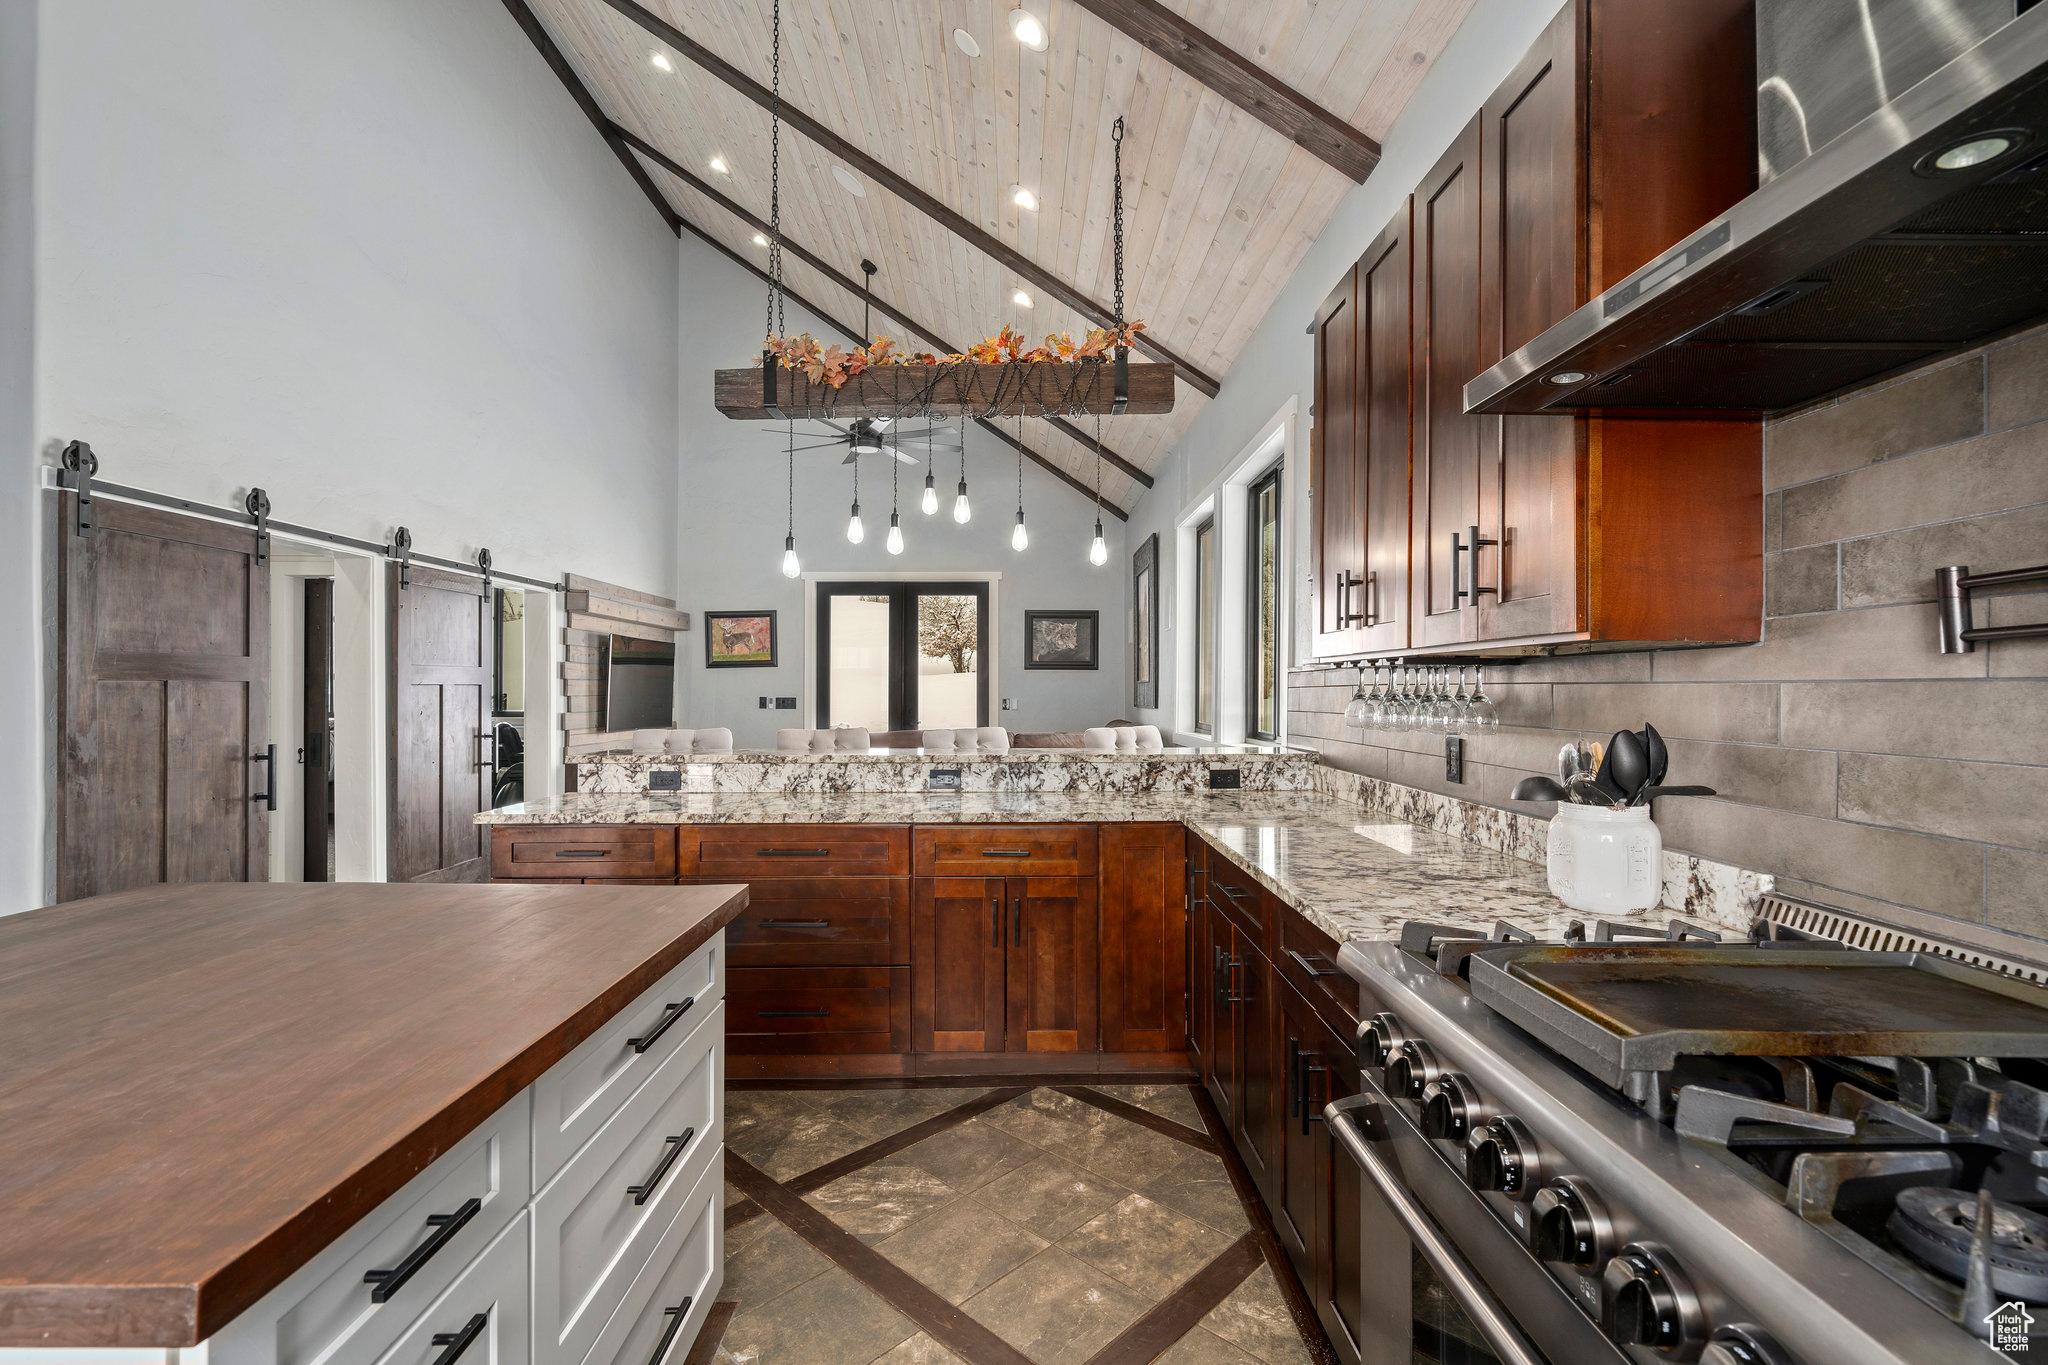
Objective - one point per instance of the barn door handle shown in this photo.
(268, 796)
(484, 737)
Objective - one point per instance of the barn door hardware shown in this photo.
(258, 503)
(82, 464)
(483, 566)
(1952, 588)
(401, 550)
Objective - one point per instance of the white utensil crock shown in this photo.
(1606, 862)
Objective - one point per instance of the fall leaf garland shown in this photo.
(834, 365)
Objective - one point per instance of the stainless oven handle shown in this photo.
(1459, 1278)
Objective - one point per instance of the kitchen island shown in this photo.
(357, 1122)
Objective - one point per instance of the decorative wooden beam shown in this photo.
(1245, 84)
(840, 278)
(1041, 461)
(565, 73)
(972, 233)
(956, 390)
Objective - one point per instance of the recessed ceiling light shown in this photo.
(964, 40)
(760, 239)
(1021, 299)
(718, 164)
(1029, 28)
(661, 62)
(1975, 152)
(849, 182)
(1567, 377)
(1023, 198)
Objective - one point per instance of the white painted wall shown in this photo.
(367, 255)
(1277, 366)
(22, 791)
(729, 551)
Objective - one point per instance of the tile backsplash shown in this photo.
(1856, 763)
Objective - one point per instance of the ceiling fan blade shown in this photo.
(834, 425)
(903, 455)
(820, 445)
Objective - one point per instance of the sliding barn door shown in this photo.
(163, 717)
(440, 721)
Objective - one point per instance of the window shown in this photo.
(1262, 611)
(1205, 627)
(902, 656)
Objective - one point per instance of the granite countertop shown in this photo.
(1352, 872)
(947, 757)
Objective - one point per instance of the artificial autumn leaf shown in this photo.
(834, 365)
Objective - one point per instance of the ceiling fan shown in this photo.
(874, 436)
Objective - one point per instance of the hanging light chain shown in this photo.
(1116, 137)
(775, 319)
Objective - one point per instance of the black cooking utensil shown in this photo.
(1628, 765)
(1659, 756)
(1538, 789)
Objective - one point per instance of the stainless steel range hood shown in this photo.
(1920, 230)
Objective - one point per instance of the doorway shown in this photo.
(903, 655)
(316, 746)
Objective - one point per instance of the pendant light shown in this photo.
(1020, 538)
(790, 567)
(961, 511)
(930, 503)
(1098, 549)
(855, 532)
(894, 543)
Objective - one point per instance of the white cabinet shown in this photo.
(482, 1319)
(665, 1307)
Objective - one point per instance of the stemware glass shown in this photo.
(1461, 706)
(1484, 715)
(1376, 702)
(1395, 716)
(1356, 709)
(1443, 712)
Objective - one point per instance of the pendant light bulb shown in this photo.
(855, 532)
(962, 513)
(790, 567)
(1098, 549)
(1020, 538)
(895, 540)
(930, 504)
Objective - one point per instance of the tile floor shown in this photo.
(1048, 1220)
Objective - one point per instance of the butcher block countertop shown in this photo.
(201, 1087)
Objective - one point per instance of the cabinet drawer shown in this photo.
(1006, 850)
(819, 1009)
(759, 852)
(329, 1311)
(823, 922)
(1307, 957)
(574, 1097)
(1239, 896)
(665, 1309)
(485, 1313)
(601, 852)
(595, 1226)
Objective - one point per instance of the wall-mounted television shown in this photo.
(639, 684)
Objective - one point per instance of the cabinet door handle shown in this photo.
(1231, 964)
(1006, 853)
(670, 1013)
(1458, 594)
(795, 923)
(995, 920)
(675, 1318)
(643, 1192)
(1478, 541)
(1308, 964)
(1017, 921)
(1311, 1112)
(1371, 615)
(795, 1014)
(458, 1342)
(1293, 1078)
(445, 1226)
(583, 853)
(792, 853)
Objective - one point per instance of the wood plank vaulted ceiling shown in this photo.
(1219, 206)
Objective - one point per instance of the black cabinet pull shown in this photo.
(1311, 1112)
(792, 853)
(644, 1192)
(675, 1318)
(1006, 853)
(268, 796)
(795, 923)
(583, 853)
(458, 1342)
(445, 1226)
(995, 920)
(795, 1014)
(1308, 964)
(1225, 965)
(671, 1012)
(1293, 1078)
(1017, 921)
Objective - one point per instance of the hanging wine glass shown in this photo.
(1356, 709)
(1376, 702)
(1461, 706)
(1479, 707)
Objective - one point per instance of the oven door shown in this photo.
(1427, 1295)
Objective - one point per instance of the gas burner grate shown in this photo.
(1857, 931)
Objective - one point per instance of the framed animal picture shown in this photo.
(1063, 639)
(739, 639)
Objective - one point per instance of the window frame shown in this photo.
(1206, 626)
(498, 711)
(1268, 483)
(902, 594)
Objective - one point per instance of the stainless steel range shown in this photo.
(1781, 1150)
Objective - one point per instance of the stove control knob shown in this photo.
(1571, 1223)
(1650, 1304)
(1412, 1067)
(1449, 1107)
(1742, 1344)
(1500, 1157)
(1379, 1040)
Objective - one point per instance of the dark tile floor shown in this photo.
(1065, 1233)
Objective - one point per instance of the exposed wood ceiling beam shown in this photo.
(837, 276)
(1245, 84)
(1041, 461)
(565, 73)
(956, 223)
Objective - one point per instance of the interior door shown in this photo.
(440, 725)
(316, 769)
(1386, 339)
(1336, 467)
(960, 926)
(1052, 965)
(1447, 440)
(163, 710)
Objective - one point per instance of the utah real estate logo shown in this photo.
(2008, 1327)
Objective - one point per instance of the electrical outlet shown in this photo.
(765, 701)
(665, 779)
(785, 703)
(1224, 779)
(1454, 758)
(1009, 704)
(943, 780)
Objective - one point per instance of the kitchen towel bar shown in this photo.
(1952, 588)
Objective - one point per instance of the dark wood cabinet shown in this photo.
(1337, 475)
(959, 938)
(1143, 963)
(1198, 971)
(1053, 957)
(1262, 1084)
(834, 1011)
(549, 853)
(1225, 953)
(822, 922)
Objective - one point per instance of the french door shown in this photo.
(903, 656)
